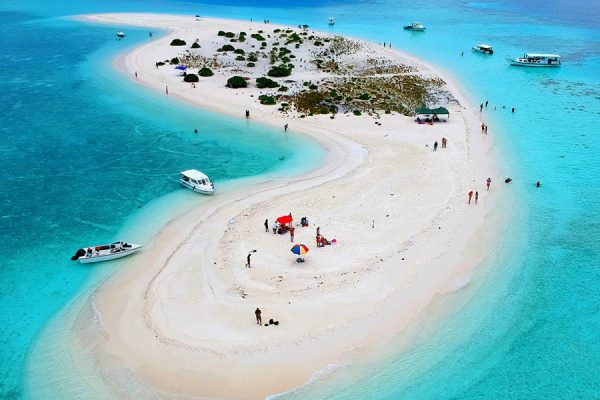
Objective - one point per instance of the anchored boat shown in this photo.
(415, 26)
(483, 48)
(331, 21)
(197, 181)
(105, 252)
(535, 60)
(120, 34)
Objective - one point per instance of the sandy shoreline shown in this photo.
(180, 315)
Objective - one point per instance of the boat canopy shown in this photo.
(539, 55)
(484, 46)
(434, 111)
(194, 174)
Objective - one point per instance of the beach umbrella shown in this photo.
(299, 249)
(285, 219)
(181, 67)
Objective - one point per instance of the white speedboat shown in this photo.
(536, 60)
(415, 26)
(105, 252)
(197, 181)
(331, 21)
(483, 48)
(121, 34)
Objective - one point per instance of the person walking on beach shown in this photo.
(476, 197)
(470, 195)
(482, 127)
(248, 260)
(435, 145)
(486, 129)
(318, 230)
(167, 90)
(488, 182)
(135, 74)
(292, 234)
(266, 225)
(444, 142)
(258, 317)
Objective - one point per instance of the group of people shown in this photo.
(444, 144)
(484, 128)
(488, 182)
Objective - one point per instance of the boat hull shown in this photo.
(110, 256)
(539, 65)
(198, 188)
(410, 28)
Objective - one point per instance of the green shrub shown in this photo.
(174, 60)
(240, 58)
(239, 51)
(177, 42)
(205, 72)
(195, 45)
(279, 71)
(230, 35)
(250, 64)
(160, 63)
(191, 78)
(264, 82)
(267, 100)
(263, 44)
(318, 43)
(277, 31)
(313, 87)
(364, 96)
(236, 82)
(356, 112)
(283, 89)
(258, 37)
(226, 47)
(252, 57)
(221, 33)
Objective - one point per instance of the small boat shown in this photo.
(535, 60)
(415, 26)
(331, 21)
(483, 48)
(120, 34)
(105, 252)
(197, 181)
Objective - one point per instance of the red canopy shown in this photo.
(285, 219)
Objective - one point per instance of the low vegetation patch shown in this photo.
(236, 82)
(177, 42)
(205, 72)
(264, 82)
(191, 78)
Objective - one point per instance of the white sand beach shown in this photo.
(180, 315)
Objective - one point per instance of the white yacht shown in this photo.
(197, 181)
(415, 26)
(105, 252)
(331, 21)
(536, 60)
(121, 34)
(483, 48)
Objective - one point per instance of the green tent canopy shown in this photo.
(434, 111)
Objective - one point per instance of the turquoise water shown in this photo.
(526, 328)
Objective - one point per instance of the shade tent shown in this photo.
(285, 219)
(432, 111)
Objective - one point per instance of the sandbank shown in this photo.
(180, 315)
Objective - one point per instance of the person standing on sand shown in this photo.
(444, 143)
(292, 234)
(470, 195)
(266, 225)
(486, 129)
(167, 90)
(258, 317)
(488, 182)
(435, 146)
(476, 197)
(318, 230)
(248, 261)
(482, 127)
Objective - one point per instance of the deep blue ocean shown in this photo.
(84, 150)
